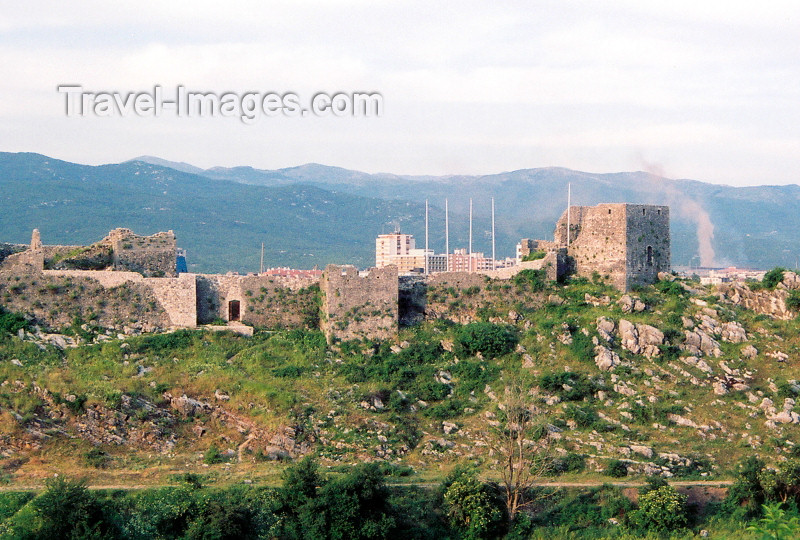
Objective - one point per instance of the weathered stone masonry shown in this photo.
(629, 243)
(359, 306)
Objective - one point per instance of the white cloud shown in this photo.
(467, 87)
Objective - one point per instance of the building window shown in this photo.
(649, 255)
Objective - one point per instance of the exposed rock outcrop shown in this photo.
(640, 338)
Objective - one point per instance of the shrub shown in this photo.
(773, 277)
(793, 301)
(470, 505)
(672, 288)
(355, 507)
(67, 509)
(97, 458)
(213, 455)
(491, 340)
(776, 523)
(535, 280)
(616, 469)
(569, 463)
(288, 372)
(11, 323)
(661, 510)
(534, 256)
(578, 385)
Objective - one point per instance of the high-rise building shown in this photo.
(390, 246)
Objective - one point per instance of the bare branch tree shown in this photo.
(522, 444)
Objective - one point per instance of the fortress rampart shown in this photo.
(137, 286)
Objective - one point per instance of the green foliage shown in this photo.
(11, 323)
(671, 288)
(470, 505)
(662, 510)
(11, 502)
(773, 277)
(289, 371)
(568, 385)
(97, 458)
(745, 496)
(616, 469)
(569, 463)
(793, 300)
(531, 280)
(776, 524)
(353, 506)
(582, 510)
(758, 484)
(213, 455)
(162, 344)
(474, 375)
(534, 256)
(66, 509)
(583, 416)
(491, 340)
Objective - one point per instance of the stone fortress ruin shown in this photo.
(129, 282)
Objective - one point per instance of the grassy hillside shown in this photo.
(156, 405)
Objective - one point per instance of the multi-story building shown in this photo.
(390, 246)
(461, 261)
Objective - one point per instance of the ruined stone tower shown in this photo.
(628, 243)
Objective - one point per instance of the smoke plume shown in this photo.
(687, 208)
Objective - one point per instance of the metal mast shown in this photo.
(426, 236)
(493, 254)
(470, 227)
(569, 203)
(446, 229)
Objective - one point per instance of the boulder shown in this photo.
(605, 358)
(640, 338)
(749, 352)
(605, 329)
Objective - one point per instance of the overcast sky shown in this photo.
(690, 89)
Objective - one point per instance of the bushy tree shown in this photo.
(773, 277)
(491, 340)
(661, 511)
(471, 506)
(354, 507)
(758, 484)
(68, 510)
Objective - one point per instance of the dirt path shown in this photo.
(426, 485)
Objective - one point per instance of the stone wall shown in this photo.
(56, 298)
(358, 306)
(554, 264)
(151, 256)
(175, 296)
(10, 249)
(626, 243)
(648, 243)
(270, 301)
(178, 297)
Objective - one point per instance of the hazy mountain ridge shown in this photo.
(222, 224)
(746, 226)
(314, 214)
